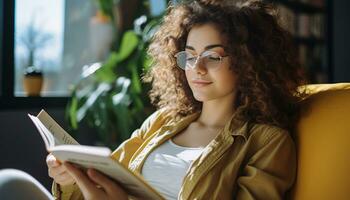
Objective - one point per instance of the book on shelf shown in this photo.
(65, 148)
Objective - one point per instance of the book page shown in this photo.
(44, 133)
(99, 159)
(59, 134)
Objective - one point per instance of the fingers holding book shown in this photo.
(63, 147)
(95, 185)
(51, 161)
(58, 172)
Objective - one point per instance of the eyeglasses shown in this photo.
(210, 59)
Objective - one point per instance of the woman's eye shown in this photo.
(214, 58)
(191, 59)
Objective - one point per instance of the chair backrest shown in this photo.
(323, 144)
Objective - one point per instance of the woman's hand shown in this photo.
(58, 172)
(95, 185)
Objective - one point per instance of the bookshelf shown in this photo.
(308, 20)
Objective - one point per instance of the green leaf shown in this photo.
(138, 103)
(111, 61)
(102, 120)
(149, 30)
(147, 63)
(123, 121)
(105, 74)
(73, 112)
(103, 87)
(122, 98)
(84, 91)
(136, 83)
(128, 45)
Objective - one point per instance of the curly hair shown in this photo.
(265, 60)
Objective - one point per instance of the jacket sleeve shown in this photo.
(123, 153)
(271, 171)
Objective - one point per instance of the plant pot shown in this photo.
(101, 18)
(32, 85)
(33, 82)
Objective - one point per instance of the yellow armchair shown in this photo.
(323, 144)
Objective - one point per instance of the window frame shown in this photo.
(7, 98)
(1, 44)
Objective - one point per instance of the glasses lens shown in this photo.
(185, 59)
(211, 60)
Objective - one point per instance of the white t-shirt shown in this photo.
(165, 167)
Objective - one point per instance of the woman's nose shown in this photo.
(199, 67)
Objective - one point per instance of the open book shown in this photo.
(65, 148)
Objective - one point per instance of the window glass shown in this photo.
(57, 37)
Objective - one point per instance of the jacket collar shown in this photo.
(237, 127)
(234, 126)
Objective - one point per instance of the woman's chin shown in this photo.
(202, 98)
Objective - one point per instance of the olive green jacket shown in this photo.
(244, 161)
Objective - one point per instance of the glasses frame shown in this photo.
(197, 59)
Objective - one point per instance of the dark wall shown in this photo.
(21, 146)
(341, 40)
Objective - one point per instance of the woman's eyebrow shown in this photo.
(206, 48)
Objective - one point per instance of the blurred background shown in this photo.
(81, 61)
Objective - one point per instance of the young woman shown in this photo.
(225, 80)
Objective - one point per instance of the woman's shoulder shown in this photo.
(266, 138)
(154, 122)
(160, 116)
(265, 132)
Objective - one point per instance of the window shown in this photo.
(58, 37)
(1, 43)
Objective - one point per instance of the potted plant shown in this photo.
(33, 39)
(111, 97)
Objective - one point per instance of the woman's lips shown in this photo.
(201, 83)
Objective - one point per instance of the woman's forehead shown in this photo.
(201, 36)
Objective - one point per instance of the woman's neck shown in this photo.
(216, 113)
